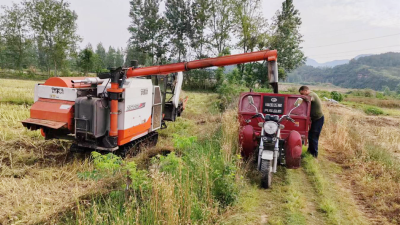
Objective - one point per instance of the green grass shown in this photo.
(295, 201)
(337, 205)
(326, 204)
(385, 157)
(194, 184)
(192, 189)
(373, 110)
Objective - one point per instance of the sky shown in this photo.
(332, 29)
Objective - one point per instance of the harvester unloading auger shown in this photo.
(119, 109)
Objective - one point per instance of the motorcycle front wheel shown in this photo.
(266, 173)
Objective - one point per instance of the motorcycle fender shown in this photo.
(247, 141)
(268, 155)
(293, 149)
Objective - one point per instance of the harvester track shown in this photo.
(128, 150)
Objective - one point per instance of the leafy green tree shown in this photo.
(220, 76)
(250, 28)
(110, 59)
(54, 26)
(154, 26)
(234, 76)
(178, 18)
(119, 58)
(102, 56)
(133, 53)
(148, 30)
(86, 60)
(255, 73)
(249, 24)
(200, 15)
(97, 63)
(386, 91)
(286, 38)
(398, 89)
(220, 24)
(2, 51)
(15, 33)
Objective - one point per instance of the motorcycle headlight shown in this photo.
(270, 127)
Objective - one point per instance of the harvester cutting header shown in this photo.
(119, 109)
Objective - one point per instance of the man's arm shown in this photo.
(306, 98)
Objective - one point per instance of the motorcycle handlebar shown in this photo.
(262, 116)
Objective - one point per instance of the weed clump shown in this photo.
(191, 185)
(336, 96)
(372, 110)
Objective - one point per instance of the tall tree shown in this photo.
(178, 15)
(54, 24)
(133, 53)
(220, 24)
(286, 38)
(86, 59)
(111, 54)
(2, 51)
(250, 29)
(15, 32)
(137, 19)
(102, 56)
(199, 20)
(148, 30)
(249, 25)
(119, 58)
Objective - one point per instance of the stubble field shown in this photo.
(356, 179)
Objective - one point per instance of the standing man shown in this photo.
(317, 120)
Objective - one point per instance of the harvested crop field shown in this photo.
(42, 182)
(40, 179)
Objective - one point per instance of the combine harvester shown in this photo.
(116, 111)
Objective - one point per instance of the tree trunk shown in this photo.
(55, 68)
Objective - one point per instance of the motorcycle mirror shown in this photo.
(298, 102)
(251, 100)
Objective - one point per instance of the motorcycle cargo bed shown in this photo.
(276, 104)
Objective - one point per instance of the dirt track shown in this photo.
(330, 190)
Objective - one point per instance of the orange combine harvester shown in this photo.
(117, 110)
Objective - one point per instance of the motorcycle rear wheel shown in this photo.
(266, 173)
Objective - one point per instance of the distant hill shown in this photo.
(373, 71)
(312, 62)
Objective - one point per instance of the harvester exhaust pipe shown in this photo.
(273, 75)
(114, 95)
(89, 80)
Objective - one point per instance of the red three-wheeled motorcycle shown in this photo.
(273, 127)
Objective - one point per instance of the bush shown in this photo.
(228, 93)
(379, 95)
(371, 110)
(292, 90)
(365, 93)
(336, 96)
(368, 93)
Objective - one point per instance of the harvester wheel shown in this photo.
(266, 173)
